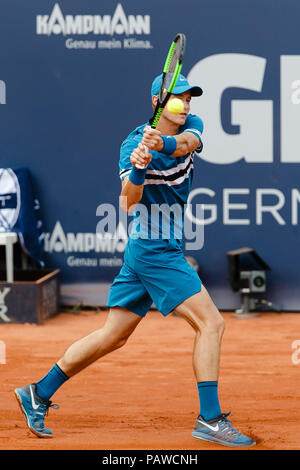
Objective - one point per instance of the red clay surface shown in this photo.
(144, 395)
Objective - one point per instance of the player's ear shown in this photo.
(154, 101)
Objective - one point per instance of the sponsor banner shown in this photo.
(113, 31)
(75, 80)
(92, 250)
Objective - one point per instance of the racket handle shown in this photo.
(140, 167)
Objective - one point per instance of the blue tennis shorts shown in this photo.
(154, 271)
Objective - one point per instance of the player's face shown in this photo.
(179, 119)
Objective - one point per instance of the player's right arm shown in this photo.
(132, 193)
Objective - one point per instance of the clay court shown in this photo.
(144, 396)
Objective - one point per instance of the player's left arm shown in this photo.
(186, 142)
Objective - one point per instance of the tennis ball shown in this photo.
(175, 105)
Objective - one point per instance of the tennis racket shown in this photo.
(171, 71)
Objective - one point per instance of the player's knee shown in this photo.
(220, 325)
(120, 342)
(213, 324)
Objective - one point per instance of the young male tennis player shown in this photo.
(154, 271)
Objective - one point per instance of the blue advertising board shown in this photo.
(75, 80)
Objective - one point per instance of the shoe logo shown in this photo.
(209, 426)
(34, 405)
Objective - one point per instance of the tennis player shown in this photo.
(154, 270)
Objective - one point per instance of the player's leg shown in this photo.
(119, 325)
(202, 314)
(34, 399)
(174, 285)
(211, 425)
(129, 302)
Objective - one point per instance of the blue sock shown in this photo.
(48, 385)
(209, 400)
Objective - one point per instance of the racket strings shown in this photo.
(173, 62)
(169, 75)
(171, 72)
(171, 66)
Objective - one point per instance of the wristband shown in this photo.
(170, 144)
(137, 176)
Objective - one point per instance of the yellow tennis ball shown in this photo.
(175, 105)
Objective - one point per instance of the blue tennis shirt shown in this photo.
(160, 213)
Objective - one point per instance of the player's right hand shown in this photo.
(140, 156)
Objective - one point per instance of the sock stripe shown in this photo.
(61, 372)
(206, 386)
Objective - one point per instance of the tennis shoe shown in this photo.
(221, 431)
(34, 409)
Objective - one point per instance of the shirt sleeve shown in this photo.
(194, 125)
(125, 165)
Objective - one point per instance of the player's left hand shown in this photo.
(152, 139)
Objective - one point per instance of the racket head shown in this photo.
(171, 71)
(172, 67)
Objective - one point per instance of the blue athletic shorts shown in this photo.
(154, 271)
